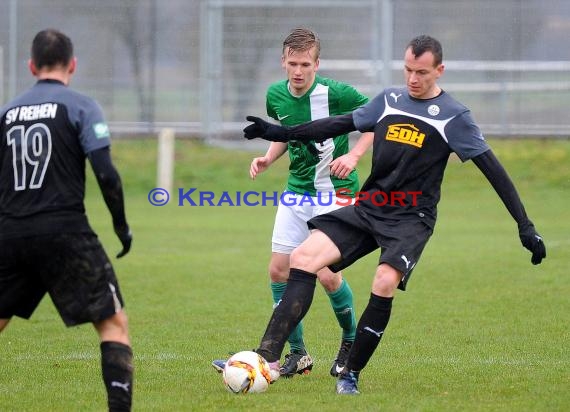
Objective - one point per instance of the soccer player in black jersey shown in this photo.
(46, 242)
(415, 130)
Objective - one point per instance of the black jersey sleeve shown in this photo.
(317, 130)
(496, 174)
(488, 163)
(110, 184)
(112, 189)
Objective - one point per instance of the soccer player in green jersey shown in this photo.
(317, 171)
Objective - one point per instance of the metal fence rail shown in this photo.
(200, 66)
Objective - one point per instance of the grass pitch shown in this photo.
(480, 328)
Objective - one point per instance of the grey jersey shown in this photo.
(413, 139)
(45, 135)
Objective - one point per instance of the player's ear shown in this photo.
(32, 67)
(317, 64)
(72, 65)
(440, 69)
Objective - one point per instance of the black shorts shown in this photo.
(357, 233)
(73, 268)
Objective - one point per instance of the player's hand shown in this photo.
(533, 242)
(126, 237)
(258, 165)
(342, 166)
(265, 130)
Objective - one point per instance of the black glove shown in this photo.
(265, 130)
(126, 237)
(533, 242)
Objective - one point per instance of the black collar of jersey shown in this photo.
(441, 92)
(51, 81)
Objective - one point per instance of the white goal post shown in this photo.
(165, 160)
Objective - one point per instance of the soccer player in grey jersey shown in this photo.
(46, 242)
(415, 130)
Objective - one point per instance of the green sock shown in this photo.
(342, 304)
(296, 337)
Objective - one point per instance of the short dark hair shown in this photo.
(51, 48)
(425, 43)
(302, 39)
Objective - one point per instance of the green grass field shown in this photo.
(480, 328)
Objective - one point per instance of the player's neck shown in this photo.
(298, 93)
(435, 91)
(59, 75)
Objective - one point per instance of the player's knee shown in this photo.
(114, 329)
(330, 281)
(278, 273)
(278, 276)
(386, 281)
(301, 260)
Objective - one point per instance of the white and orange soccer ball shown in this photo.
(246, 372)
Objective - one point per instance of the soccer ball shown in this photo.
(246, 372)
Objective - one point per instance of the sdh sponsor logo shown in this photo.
(405, 133)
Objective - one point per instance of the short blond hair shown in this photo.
(302, 39)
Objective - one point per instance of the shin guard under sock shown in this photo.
(296, 337)
(343, 307)
(288, 313)
(117, 369)
(369, 331)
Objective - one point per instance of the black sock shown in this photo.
(369, 331)
(293, 306)
(117, 369)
